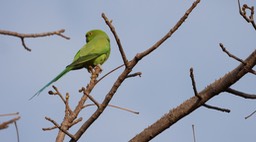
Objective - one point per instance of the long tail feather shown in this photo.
(55, 79)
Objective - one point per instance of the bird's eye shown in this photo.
(88, 34)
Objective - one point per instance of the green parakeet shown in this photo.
(95, 52)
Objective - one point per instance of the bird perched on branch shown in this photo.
(95, 52)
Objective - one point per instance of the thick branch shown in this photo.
(70, 116)
(34, 35)
(192, 104)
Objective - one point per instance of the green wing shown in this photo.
(94, 52)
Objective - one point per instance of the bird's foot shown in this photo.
(100, 67)
(90, 69)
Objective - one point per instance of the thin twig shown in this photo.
(58, 126)
(57, 93)
(241, 94)
(76, 121)
(234, 57)
(68, 110)
(17, 131)
(216, 108)
(252, 71)
(114, 106)
(9, 114)
(125, 109)
(250, 115)
(194, 83)
(134, 75)
(50, 128)
(230, 55)
(139, 56)
(194, 135)
(34, 35)
(109, 73)
(112, 28)
(89, 96)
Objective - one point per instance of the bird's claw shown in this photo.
(99, 66)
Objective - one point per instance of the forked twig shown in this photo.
(57, 93)
(59, 127)
(35, 35)
(242, 12)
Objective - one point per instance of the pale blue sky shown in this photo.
(165, 81)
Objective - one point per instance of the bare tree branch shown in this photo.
(194, 83)
(252, 71)
(109, 73)
(192, 104)
(17, 131)
(112, 28)
(70, 116)
(58, 126)
(9, 114)
(240, 94)
(194, 135)
(234, 57)
(6, 123)
(242, 12)
(134, 74)
(196, 94)
(229, 54)
(216, 108)
(114, 106)
(57, 93)
(90, 97)
(250, 115)
(34, 35)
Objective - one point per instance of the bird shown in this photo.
(95, 52)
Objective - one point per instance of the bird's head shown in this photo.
(95, 33)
